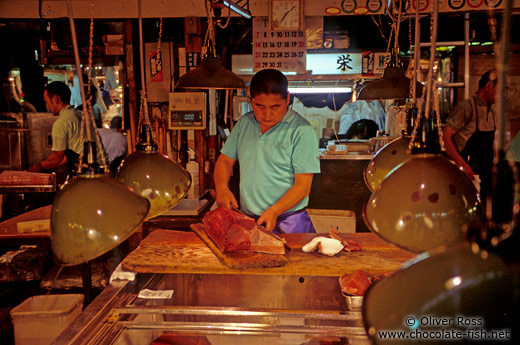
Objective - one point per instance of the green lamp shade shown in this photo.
(475, 289)
(155, 177)
(422, 204)
(390, 156)
(91, 215)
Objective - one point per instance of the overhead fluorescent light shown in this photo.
(237, 9)
(320, 89)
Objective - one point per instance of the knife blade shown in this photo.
(261, 227)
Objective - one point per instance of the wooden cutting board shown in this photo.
(170, 251)
(239, 260)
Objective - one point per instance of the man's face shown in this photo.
(51, 103)
(269, 109)
(491, 87)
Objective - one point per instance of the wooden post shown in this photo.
(131, 94)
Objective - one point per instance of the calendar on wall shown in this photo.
(280, 49)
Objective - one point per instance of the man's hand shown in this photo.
(225, 198)
(467, 169)
(269, 217)
(221, 175)
(35, 168)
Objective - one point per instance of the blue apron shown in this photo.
(293, 222)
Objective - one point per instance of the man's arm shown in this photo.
(300, 189)
(223, 169)
(452, 152)
(55, 159)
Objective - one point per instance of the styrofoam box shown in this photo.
(323, 220)
(40, 319)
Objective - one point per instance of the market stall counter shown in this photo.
(183, 293)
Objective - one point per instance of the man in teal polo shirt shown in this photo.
(278, 153)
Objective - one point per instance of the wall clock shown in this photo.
(286, 14)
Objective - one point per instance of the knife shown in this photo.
(261, 227)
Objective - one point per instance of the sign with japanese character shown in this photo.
(282, 50)
(335, 63)
(156, 71)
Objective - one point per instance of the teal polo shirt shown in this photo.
(269, 161)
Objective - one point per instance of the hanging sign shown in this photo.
(282, 50)
(156, 71)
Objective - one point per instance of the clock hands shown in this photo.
(286, 13)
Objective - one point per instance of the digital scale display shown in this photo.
(186, 118)
(187, 110)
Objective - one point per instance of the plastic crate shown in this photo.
(40, 319)
(323, 220)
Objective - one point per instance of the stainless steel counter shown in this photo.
(220, 309)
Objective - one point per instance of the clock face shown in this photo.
(285, 14)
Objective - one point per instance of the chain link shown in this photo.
(89, 117)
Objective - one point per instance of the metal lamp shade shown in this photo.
(91, 215)
(155, 177)
(422, 204)
(393, 85)
(457, 284)
(210, 75)
(390, 156)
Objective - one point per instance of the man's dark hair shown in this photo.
(269, 81)
(60, 89)
(485, 78)
(116, 122)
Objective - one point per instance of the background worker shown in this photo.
(66, 139)
(469, 133)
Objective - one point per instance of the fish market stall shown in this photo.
(184, 293)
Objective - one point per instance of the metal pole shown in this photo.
(502, 69)
(466, 55)
(78, 70)
(432, 58)
(417, 55)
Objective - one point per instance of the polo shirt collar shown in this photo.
(65, 109)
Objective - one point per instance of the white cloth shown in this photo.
(119, 274)
(325, 246)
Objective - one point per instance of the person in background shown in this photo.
(470, 131)
(278, 154)
(66, 139)
(105, 95)
(362, 129)
(115, 143)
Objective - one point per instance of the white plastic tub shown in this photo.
(40, 319)
(323, 220)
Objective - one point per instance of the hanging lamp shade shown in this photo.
(476, 286)
(393, 85)
(155, 177)
(390, 156)
(210, 75)
(91, 215)
(422, 204)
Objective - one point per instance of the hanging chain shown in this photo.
(210, 33)
(418, 117)
(437, 111)
(88, 107)
(492, 23)
(143, 102)
(412, 61)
